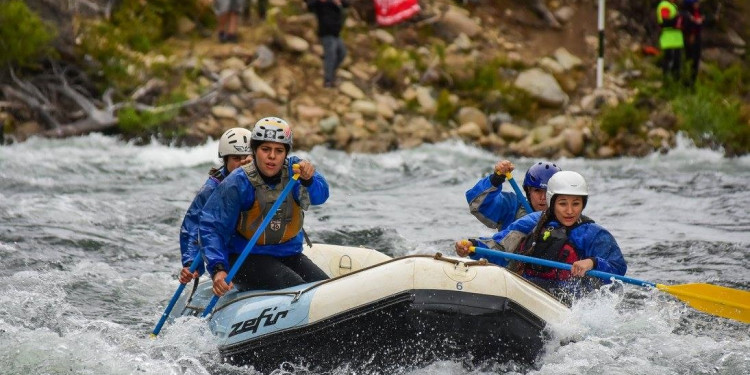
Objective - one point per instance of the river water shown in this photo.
(89, 252)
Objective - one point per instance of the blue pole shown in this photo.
(253, 240)
(196, 261)
(519, 193)
(482, 251)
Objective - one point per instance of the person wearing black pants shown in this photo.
(693, 24)
(330, 16)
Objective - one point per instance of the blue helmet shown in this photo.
(538, 175)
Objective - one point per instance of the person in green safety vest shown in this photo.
(670, 40)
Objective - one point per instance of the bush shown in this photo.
(714, 120)
(626, 117)
(24, 38)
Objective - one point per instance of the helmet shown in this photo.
(272, 129)
(235, 141)
(567, 183)
(538, 175)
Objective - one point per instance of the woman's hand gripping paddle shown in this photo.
(519, 193)
(196, 261)
(713, 299)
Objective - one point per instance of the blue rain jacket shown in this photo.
(218, 221)
(494, 207)
(590, 239)
(189, 244)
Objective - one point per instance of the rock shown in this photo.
(735, 39)
(264, 107)
(471, 114)
(511, 131)
(365, 107)
(574, 141)
(295, 43)
(233, 63)
(455, 21)
(224, 111)
(310, 112)
(264, 58)
(660, 139)
(351, 90)
(462, 42)
(567, 59)
(542, 86)
(428, 104)
(383, 36)
(329, 124)
(255, 83)
(231, 81)
(469, 130)
(551, 65)
(27, 129)
(184, 25)
(564, 14)
(605, 152)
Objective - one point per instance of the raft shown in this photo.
(379, 313)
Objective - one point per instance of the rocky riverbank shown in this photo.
(490, 73)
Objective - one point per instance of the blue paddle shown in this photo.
(519, 193)
(196, 261)
(713, 299)
(249, 247)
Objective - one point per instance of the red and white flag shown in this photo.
(391, 12)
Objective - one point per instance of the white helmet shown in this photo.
(567, 183)
(272, 129)
(235, 141)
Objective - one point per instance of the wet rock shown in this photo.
(475, 115)
(511, 131)
(542, 86)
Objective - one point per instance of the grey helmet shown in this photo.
(272, 129)
(235, 141)
(567, 183)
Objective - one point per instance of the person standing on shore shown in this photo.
(670, 38)
(693, 25)
(228, 14)
(330, 14)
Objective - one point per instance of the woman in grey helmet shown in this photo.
(234, 212)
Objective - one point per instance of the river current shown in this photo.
(89, 252)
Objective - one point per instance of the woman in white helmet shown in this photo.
(560, 233)
(234, 212)
(234, 147)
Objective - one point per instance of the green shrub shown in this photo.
(134, 122)
(714, 120)
(626, 117)
(24, 38)
(445, 108)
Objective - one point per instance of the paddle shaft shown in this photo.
(519, 193)
(249, 247)
(549, 263)
(196, 261)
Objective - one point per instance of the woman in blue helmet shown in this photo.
(560, 233)
(496, 208)
(234, 147)
(235, 210)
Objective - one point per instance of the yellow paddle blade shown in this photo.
(713, 299)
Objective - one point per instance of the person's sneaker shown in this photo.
(232, 38)
(222, 37)
(329, 84)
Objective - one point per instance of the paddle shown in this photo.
(713, 299)
(519, 193)
(253, 240)
(196, 261)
